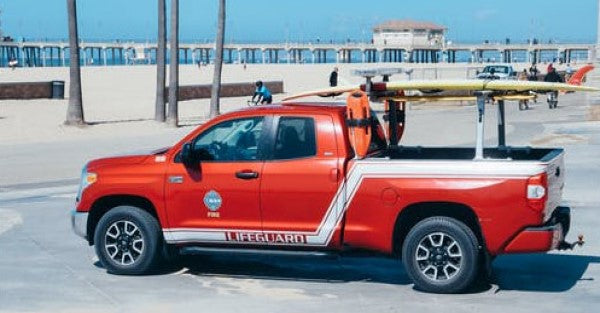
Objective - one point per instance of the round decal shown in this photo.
(212, 200)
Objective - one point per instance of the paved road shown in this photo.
(44, 267)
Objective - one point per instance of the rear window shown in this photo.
(378, 141)
(295, 138)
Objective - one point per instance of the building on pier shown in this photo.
(399, 41)
(41, 54)
(408, 33)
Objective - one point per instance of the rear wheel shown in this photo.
(128, 241)
(440, 255)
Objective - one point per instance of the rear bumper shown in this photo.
(543, 238)
(79, 223)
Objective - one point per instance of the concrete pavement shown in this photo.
(44, 267)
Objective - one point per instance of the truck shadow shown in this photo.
(541, 272)
(528, 272)
(118, 121)
(328, 269)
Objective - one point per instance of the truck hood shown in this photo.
(117, 160)
(136, 157)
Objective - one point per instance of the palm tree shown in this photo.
(159, 107)
(216, 86)
(172, 118)
(75, 109)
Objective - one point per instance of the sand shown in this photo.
(119, 100)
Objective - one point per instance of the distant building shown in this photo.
(408, 33)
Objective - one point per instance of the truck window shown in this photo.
(378, 141)
(295, 138)
(233, 140)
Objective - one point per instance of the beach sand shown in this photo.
(36, 148)
(119, 100)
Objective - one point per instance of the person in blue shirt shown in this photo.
(263, 94)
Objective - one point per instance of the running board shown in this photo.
(200, 250)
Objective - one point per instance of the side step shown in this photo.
(203, 250)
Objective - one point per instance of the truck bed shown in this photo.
(467, 153)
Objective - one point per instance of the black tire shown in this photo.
(111, 239)
(459, 272)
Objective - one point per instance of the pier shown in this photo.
(45, 54)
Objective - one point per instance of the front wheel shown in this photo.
(440, 255)
(128, 241)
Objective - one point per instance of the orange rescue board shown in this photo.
(577, 78)
(359, 122)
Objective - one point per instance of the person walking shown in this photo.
(523, 75)
(568, 72)
(333, 77)
(523, 103)
(533, 72)
(553, 77)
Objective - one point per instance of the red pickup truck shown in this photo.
(285, 177)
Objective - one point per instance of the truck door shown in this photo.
(221, 194)
(300, 181)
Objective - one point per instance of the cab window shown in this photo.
(233, 140)
(378, 141)
(295, 138)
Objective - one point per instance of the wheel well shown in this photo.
(415, 213)
(106, 203)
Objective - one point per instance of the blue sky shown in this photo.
(280, 20)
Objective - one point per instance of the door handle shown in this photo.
(246, 175)
(176, 179)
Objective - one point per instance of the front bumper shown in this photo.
(550, 236)
(79, 223)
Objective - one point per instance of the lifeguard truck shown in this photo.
(302, 177)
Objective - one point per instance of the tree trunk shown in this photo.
(75, 108)
(159, 107)
(172, 118)
(216, 87)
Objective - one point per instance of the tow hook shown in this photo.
(563, 245)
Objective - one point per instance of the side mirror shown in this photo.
(188, 157)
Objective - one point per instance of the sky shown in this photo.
(305, 20)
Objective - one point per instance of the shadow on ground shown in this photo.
(527, 272)
(298, 268)
(541, 272)
(119, 121)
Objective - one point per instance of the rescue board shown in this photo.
(459, 98)
(433, 86)
(483, 85)
(322, 92)
(577, 77)
(359, 123)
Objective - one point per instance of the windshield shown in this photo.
(496, 69)
(233, 140)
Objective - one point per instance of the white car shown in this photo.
(497, 72)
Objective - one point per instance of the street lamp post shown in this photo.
(597, 50)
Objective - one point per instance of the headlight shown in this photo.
(86, 180)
